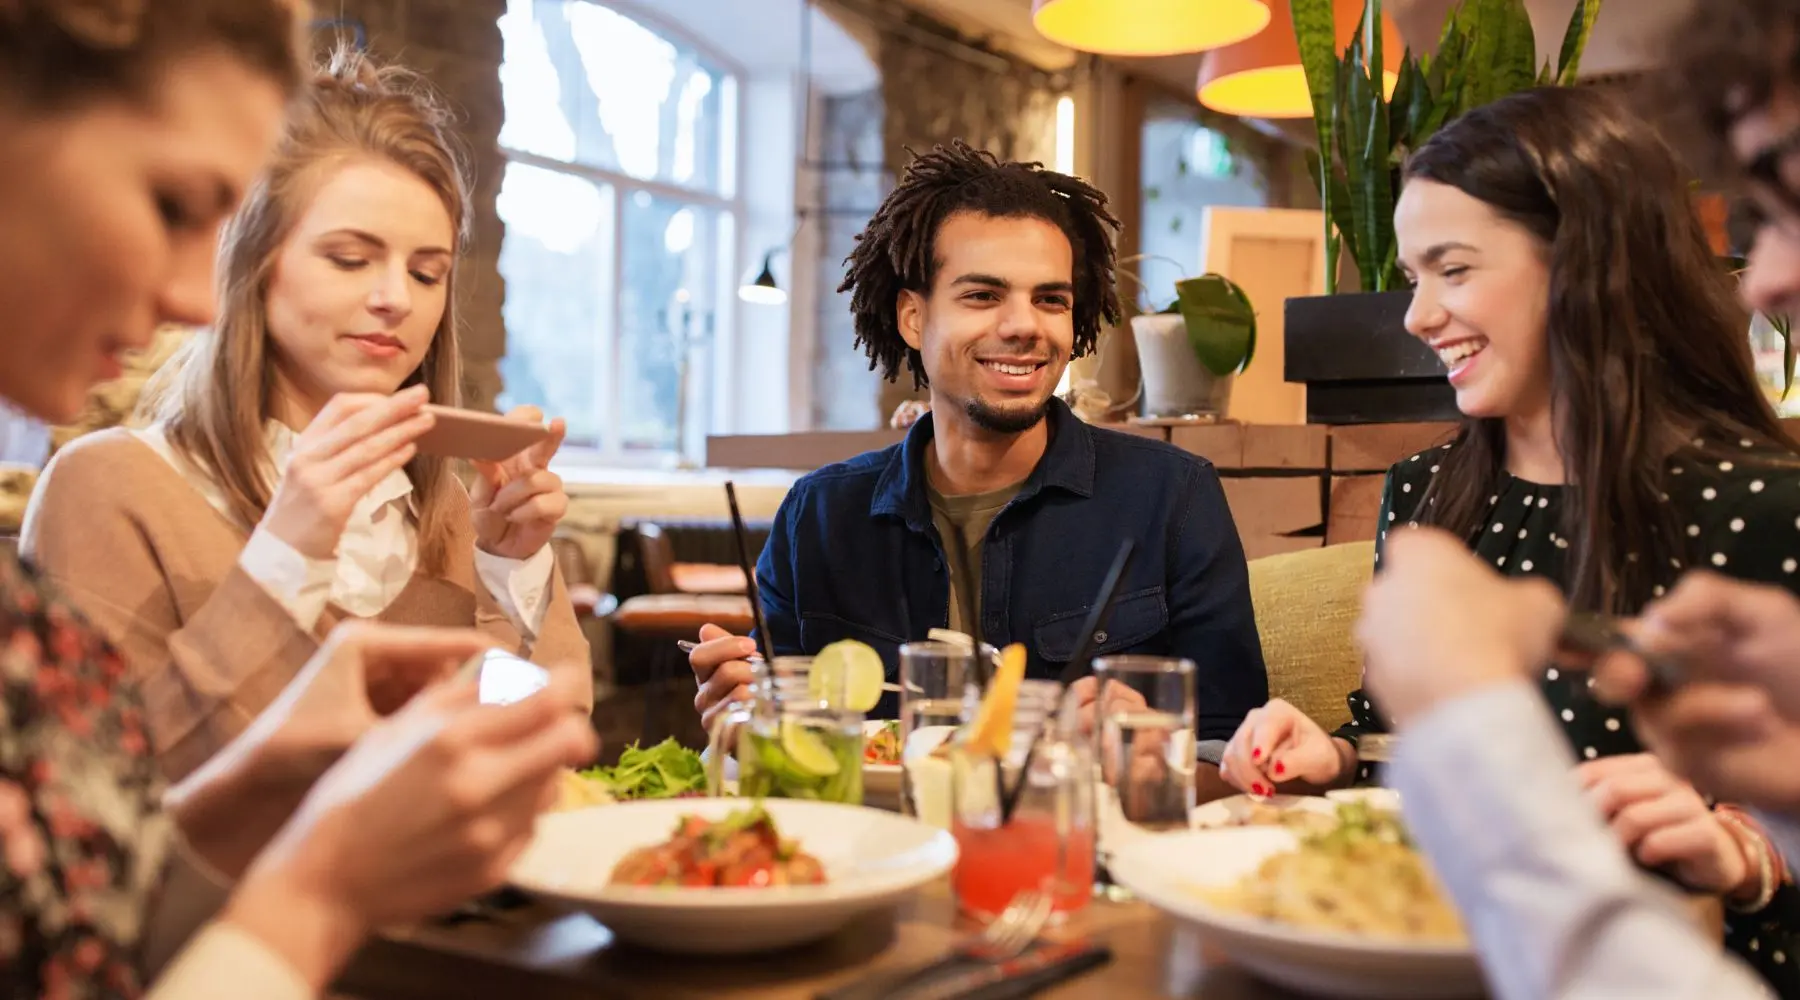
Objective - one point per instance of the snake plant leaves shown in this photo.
(1316, 38)
(1502, 55)
(1575, 39)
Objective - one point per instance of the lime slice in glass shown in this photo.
(847, 674)
(806, 751)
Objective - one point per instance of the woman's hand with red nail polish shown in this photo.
(1278, 744)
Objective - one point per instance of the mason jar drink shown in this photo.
(791, 740)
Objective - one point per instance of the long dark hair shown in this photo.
(1649, 348)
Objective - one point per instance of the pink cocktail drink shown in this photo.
(997, 863)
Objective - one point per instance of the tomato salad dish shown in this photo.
(742, 850)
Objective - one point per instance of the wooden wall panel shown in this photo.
(1355, 504)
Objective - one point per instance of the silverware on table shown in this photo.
(1025, 975)
(1007, 937)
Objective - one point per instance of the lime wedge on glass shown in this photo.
(847, 674)
(805, 751)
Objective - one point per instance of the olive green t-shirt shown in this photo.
(972, 513)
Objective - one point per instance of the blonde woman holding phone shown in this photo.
(278, 487)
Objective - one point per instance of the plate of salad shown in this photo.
(724, 876)
(667, 770)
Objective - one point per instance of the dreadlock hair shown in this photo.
(897, 250)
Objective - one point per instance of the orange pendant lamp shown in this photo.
(1261, 76)
(1147, 27)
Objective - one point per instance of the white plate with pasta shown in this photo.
(1362, 921)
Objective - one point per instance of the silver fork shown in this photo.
(1007, 937)
(1013, 930)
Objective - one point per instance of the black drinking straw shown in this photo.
(749, 568)
(1077, 666)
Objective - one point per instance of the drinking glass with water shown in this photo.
(1145, 739)
(940, 690)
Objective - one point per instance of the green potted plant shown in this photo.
(1191, 352)
(1350, 348)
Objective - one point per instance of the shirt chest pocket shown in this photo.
(820, 630)
(1136, 618)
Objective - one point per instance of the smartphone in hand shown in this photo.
(503, 678)
(471, 434)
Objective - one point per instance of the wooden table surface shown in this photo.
(542, 955)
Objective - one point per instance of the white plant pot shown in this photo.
(1176, 384)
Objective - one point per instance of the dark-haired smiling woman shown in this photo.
(1616, 435)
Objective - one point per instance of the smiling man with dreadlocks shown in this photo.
(980, 279)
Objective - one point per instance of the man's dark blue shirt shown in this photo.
(854, 554)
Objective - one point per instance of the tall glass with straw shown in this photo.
(1024, 820)
(792, 738)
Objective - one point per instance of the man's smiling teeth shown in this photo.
(1460, 350)
(1006, 369)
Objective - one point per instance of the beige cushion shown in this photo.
(1306, 608)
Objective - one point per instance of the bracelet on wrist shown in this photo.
(1760, 856)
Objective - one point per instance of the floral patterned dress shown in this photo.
(82, 838)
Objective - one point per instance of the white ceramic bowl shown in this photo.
(1164, 869)
(872, 860)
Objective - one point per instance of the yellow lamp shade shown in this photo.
(1147, 27)
(1261, 76)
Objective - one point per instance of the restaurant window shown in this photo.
(621, 205)
(1186, 167)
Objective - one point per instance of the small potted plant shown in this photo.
(1191, 352)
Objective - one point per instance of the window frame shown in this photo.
(728, 251)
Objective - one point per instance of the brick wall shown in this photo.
(456, 43)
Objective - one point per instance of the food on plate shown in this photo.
(1361, 876)
(574, 791)
(883, 745)
(1245, 810)
(742, 850)
(665, 771)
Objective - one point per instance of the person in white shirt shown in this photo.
(1554, 904)
(277, 489)
(127, 133)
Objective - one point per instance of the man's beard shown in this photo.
(996, 420)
